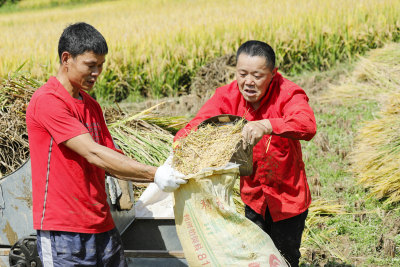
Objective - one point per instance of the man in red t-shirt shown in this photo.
(276, 195)
(71, 149)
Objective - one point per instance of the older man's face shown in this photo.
(253, 77)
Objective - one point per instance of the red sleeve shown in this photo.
(212, 107)
(55, 116)
(298, 121)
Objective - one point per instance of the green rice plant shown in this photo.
(157, 46)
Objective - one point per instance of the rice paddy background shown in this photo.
(156, 46)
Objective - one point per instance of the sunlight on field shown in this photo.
(174, 35)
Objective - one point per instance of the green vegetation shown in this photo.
(157, 46)
(7, 6)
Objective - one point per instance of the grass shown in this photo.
(157, 46)
(366, 232)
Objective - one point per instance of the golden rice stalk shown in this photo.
(209, 146)
(375, 76)
(324, 207)
(171, 124)
(15, 92)
(145, 142)
(318, 212)
(376, 155)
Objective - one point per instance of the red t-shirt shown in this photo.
(68, 193)
(279, 180)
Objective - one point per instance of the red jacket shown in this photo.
(279, 180)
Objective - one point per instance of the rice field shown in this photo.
(156, 46)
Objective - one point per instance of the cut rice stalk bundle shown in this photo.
(318, 215)
(115, 116)
(15, 93)
(376, 76)
(171, 124)
(208, 146)
(147, 143)
(377, 152)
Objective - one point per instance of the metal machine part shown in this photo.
(24, 253)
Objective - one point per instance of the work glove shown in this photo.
(168, 179)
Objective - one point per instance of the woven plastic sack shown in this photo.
(210, 230)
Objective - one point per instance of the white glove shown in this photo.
(168, 179)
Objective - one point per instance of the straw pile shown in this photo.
(375, 77)
(214, 74)
(318, 214)
(377, 153)
(209, 146)
(171, 124)
(375, 157)
(145, 142)
(15, 93)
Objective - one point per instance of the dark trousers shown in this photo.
(67, 249)
(286, 234)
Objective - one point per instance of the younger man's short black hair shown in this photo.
(258, 48)
(81, 37)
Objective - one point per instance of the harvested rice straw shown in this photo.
(375, 76)
(15, 92)
(319, 212)
(171, 124)
(376, 153)
(208, 146)
(147, 143)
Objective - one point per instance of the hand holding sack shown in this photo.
(168, 179)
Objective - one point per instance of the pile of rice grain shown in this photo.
(209, 146)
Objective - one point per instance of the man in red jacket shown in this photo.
(276, 195)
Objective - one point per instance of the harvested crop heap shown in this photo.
(145, 142)
(15, 93)
(377, 147)
(377, 152)
(209, 146)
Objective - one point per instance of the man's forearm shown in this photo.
(121, 166)
(133, 179)
(109, 160)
